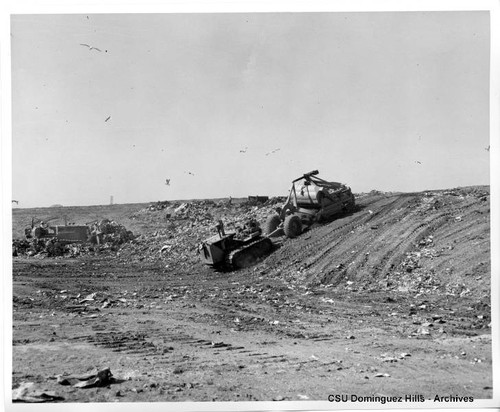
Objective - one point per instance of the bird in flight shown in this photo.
(272, 151)
(487, 148)
(109, 117)
(90, 47)
(167, 182)
(416, 161)
(15, 201)
(244, 150)
(190, 173)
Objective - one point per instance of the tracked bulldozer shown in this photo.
(61, 233)
(235, 250)
(311, 200)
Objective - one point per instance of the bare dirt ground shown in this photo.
(392, 299)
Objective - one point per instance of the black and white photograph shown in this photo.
(265, 207)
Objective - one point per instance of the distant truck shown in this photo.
(62, 233)
(311, 199)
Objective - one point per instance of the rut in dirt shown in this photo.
(442, 234)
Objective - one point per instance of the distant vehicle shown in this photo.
(62, 233)
(311, 199)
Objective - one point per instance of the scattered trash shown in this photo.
(89, 298)
(160, 205)
(26, 393)
(220, 345)
(165, 248)
(177, 370)
(102, 378)
(382, 375)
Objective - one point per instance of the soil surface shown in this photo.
(392, 299)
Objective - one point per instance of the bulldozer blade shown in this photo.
(277, 232)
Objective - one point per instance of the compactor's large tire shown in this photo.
(292, 226)
(271, 224)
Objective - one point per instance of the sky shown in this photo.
(238, 104)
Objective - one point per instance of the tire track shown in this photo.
(343, 266)
(327, 235)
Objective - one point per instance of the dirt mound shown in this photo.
(433, 242)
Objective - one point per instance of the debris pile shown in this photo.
(160, 205)
(104, 235)
(182, 226)
(256, 200)
(109, 234)
(38, 247)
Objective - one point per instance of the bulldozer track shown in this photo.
(136, 344)
(332, 247)
(332, 239)
(250, 248)
(397, 252)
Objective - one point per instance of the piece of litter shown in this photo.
(102, 378)
(25, 393)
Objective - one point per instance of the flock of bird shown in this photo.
(167, 181)
(244, 150)
(267, 154)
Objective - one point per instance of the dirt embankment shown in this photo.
(392, 299)
(432, 242)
